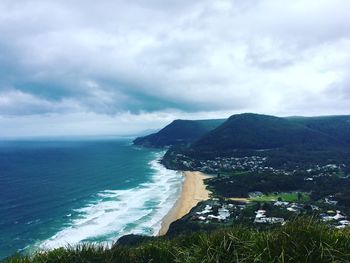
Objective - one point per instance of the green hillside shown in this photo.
(335, 126)
(303, 240)
(178, 132)
(254, 132)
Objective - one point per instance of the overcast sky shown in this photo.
(88, 67)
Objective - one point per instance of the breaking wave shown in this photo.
(113, 213)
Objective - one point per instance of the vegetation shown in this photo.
(253, 131)
(317, 189)
(335, 126)
(304, 162)
(242, 185)
(179, 132)
(286, 197)
(303, 240)
(296, 159)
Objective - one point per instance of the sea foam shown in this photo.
(114, 213)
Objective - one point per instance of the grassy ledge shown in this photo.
(303, 240)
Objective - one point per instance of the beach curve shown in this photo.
(193, 191)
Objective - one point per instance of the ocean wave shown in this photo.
(115, 213)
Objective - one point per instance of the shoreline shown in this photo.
(193, 191)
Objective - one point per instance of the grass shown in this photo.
(303, 240)
(287, 197)
(239, 199)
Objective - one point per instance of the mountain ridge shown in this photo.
(178, 132)
(251, 131)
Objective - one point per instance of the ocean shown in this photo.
(59, 192)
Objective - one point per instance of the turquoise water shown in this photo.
(54, 193)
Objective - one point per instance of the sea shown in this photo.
(59, 192)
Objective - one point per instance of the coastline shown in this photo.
(193, 191)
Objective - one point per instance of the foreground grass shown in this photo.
(303, 240)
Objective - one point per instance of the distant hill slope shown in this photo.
(334, 126)
(253, 131)
(178, 132)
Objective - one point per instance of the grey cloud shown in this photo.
(154, 56)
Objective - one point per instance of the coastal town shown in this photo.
(262, 214)
(251, 164)
(249, 190)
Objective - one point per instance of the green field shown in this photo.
(284, 196)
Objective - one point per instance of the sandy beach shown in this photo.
(193, 191)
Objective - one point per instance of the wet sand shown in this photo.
(193, 191)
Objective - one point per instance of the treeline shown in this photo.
(240, 185)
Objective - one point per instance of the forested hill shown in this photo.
(179, 132)
(335, 126)
(254, 132)
(250, 131)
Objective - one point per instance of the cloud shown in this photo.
(15, 102)
(65, 57)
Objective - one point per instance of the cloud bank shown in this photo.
(115, 63)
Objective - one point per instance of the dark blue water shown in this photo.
(57, 192)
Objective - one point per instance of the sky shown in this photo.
(119, 67)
